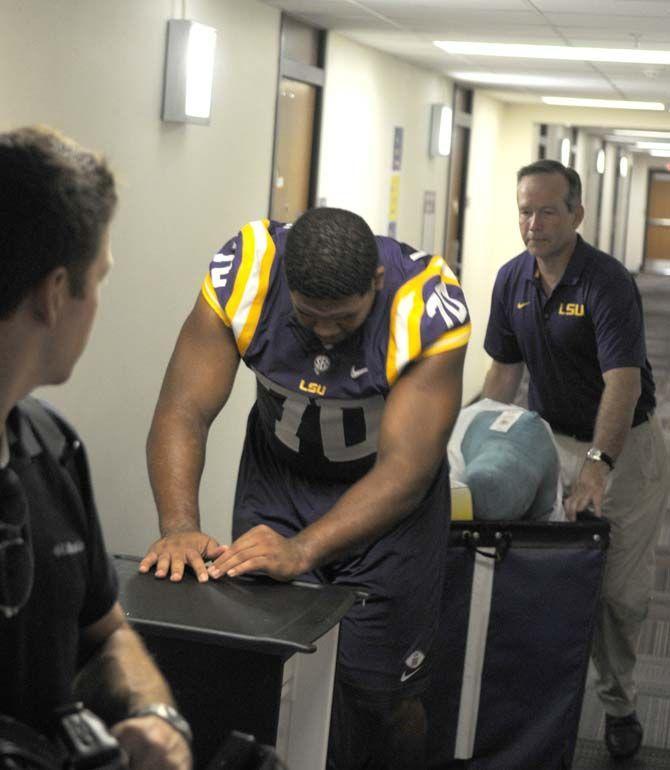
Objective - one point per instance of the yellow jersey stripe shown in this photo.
(448, 276)
(212, 300)
(248, 253)
(450, 340)
(256, 243)
(254, 314)
(406, 313)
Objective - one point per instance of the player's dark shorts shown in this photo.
(385, 643)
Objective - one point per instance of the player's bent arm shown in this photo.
(420, 413)
(197, 384)
(120, 678)
(502, 381)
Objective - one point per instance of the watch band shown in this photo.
(169, 714)
(598, 456)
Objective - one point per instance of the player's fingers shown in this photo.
(148, 561)
(235, 555)
(195, 562)
(163, 565)
(252, 564)
(213, 549)
(177, 572)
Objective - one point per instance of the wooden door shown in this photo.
(293, 153)
(657, 240)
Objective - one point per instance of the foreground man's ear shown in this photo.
(49, 296)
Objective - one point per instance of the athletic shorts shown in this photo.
(385, 642)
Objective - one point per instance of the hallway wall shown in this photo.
(367, 94)
(94, 69)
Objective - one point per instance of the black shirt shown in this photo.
(74, 582)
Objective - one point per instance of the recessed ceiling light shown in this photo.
(621, 139)
(509, 79)
(647, 134)
(660, 153)
(557, 52)
(653, 145)
(619, 104)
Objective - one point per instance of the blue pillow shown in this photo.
(511, 475)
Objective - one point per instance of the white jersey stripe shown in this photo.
(401, 331)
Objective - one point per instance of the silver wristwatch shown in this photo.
(598, 456)
(170, 715)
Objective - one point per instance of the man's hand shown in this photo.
(589, 490)
(261, 549)
(150, 743)
(174, 551)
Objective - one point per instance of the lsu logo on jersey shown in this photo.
(312, 387)
(571, 308)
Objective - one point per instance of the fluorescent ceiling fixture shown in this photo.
(619, 104)
(565, 151)
(440, 130)
(660, 153)
(556, 52)
(623, 166)
(623, 139)
(501, 79)
(189, 72)
(653, 145)
(641, 134)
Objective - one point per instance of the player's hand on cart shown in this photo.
(261, 549)
(172, 553)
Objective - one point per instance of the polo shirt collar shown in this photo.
(575, 266)
(22, 438)
(573, 270)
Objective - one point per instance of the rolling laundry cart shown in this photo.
(514, 640)
(228, 649)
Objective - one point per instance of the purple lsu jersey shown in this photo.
(320, 408)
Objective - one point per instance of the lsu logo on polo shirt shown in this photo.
(571, 308)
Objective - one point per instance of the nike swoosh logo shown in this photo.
(521, 305)
(407, 674)
(356, 373)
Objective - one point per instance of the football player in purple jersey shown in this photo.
(357, 343)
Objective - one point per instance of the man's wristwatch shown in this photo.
(169, 714)
(598, 456)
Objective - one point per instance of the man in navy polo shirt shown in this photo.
(573, 315)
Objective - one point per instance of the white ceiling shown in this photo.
(406, 28)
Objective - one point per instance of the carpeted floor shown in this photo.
(653, 669)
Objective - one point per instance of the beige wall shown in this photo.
(367, 93)
(94, 69)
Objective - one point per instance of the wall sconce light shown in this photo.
(440, 130)
(600, 161)
(189, 71)
(623, 166)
